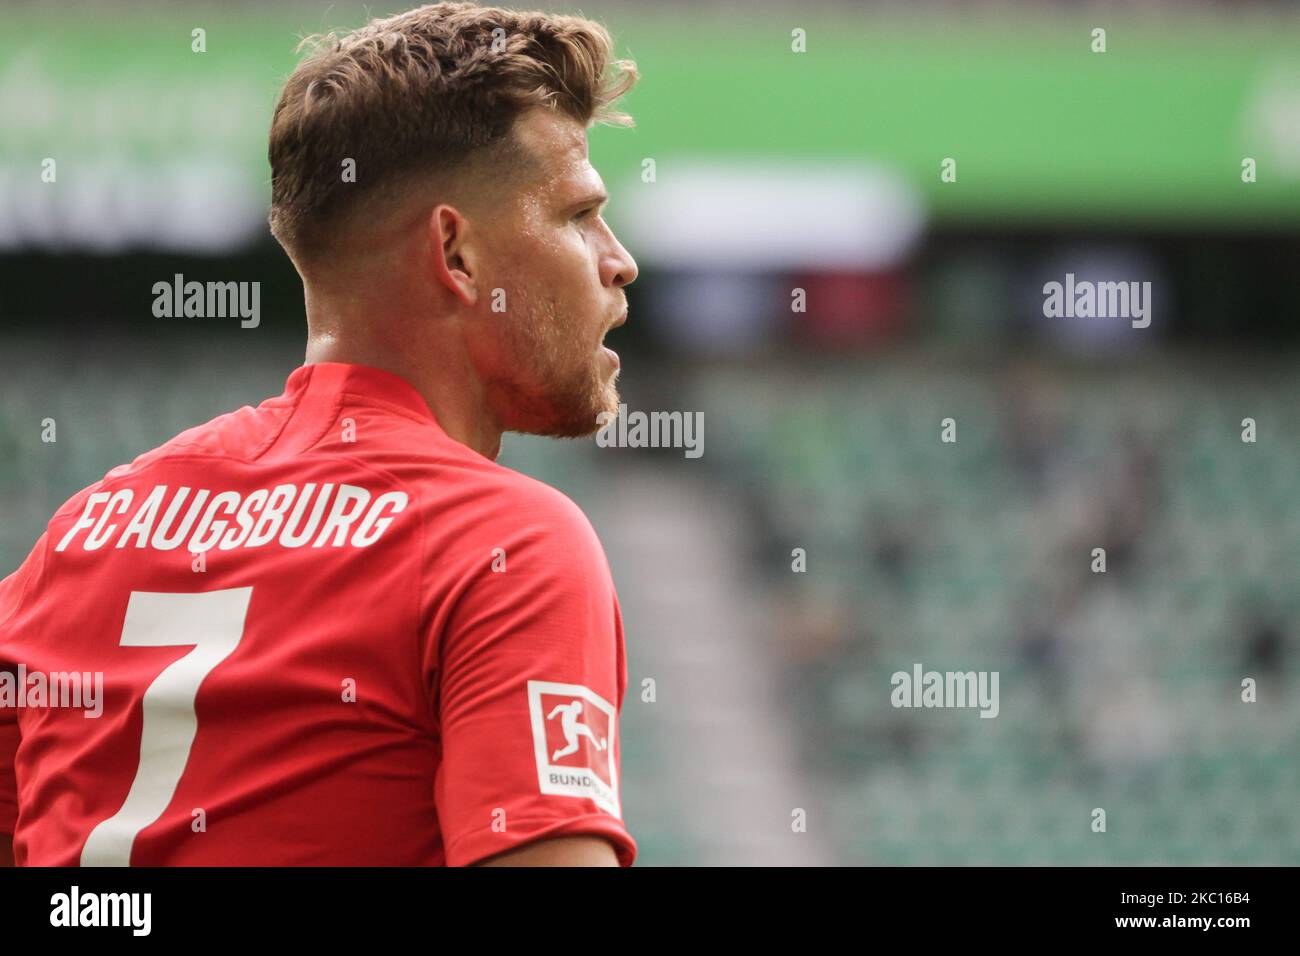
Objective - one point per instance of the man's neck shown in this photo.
(449, 387)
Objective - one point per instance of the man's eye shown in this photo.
(584, 214)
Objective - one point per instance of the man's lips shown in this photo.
(609, 352)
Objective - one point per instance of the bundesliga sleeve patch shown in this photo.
(573, 739)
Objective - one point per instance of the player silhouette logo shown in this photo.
(573, 729)
(588, 769)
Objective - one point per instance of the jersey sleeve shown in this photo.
(8, 783)
(529, 685)
(12, 591)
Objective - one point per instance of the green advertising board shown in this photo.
(155, 142)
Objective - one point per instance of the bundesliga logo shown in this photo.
(573, 741)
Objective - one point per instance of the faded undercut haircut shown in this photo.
(433, 90)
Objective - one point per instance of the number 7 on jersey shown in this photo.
(212, 621)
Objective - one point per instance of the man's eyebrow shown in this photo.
(600, 197)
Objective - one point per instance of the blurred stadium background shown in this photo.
(774, 171)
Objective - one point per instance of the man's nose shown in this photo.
(618, 268)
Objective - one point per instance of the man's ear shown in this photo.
(454, 257)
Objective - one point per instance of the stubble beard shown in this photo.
(560, 385)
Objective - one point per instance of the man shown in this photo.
(330, 628)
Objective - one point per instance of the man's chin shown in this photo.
(578, 420)
(592, 422)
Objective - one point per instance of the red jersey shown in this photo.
(319, 631)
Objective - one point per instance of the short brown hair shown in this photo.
(422, 91)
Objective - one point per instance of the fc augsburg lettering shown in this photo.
(320, 516)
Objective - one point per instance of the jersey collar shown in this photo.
(337, 378)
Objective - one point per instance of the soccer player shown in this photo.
(331, 629)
